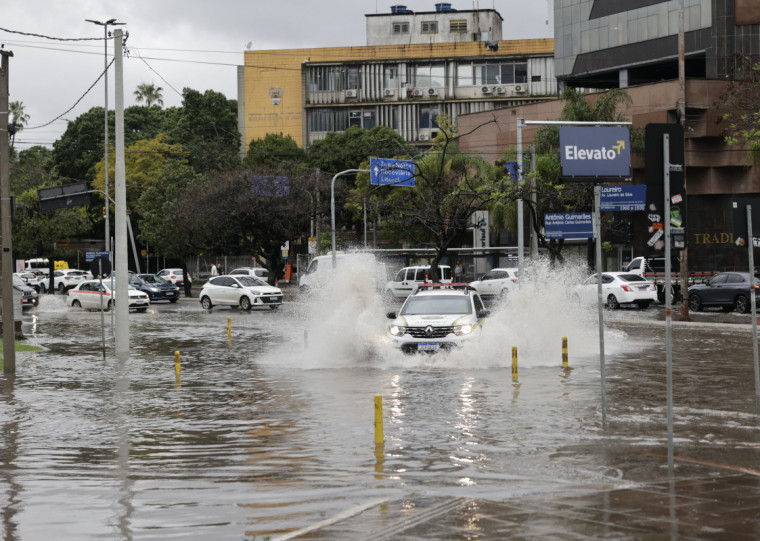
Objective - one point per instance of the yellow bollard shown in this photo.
(177, 369)
(514, 363)
(564, 351)
(229, 327)
(378, 419)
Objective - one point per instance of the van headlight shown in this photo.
(461, 330)
(397, 330)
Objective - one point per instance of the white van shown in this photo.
(320, 270)
(408, 278)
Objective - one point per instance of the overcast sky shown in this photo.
(184, 43)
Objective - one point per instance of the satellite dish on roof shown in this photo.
(248, 45)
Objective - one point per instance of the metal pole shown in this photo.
(533, 199)
(134, 246)
(600, 295)
(107, 167)
(753, 302)
(520, 233)
(6, 227)
(364, 205)
(332, 207)
(668, 295)
(120, 213)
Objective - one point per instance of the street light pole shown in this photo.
(332, 207)
(105, 25)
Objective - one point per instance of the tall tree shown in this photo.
(19, 120)
(274, 149)
(742, 98)
(149, 93)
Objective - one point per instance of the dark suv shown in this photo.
(156, 287)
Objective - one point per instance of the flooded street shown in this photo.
(270, 430)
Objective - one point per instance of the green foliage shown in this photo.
(348, 150)
(149, 93)
(206, 127)
(742, 97)
(274, 149)
(31, 170)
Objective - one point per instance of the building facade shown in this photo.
(634, 44)
(415, 67)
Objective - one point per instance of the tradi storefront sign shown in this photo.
(594, 152)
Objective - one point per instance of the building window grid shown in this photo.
(429, 27)
(400, 28)
(458, 26)
(427, 75)
(492, 73)
(333, 78)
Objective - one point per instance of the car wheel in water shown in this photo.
(206, 303)
(111, 305)
(695, 303)
(43, 289)
(245, 303)
(173, 300)
(612, 303)
(141, 310)
(61, 288)
(274, 306)
(742, 304)
(643, 304)
(76, 304)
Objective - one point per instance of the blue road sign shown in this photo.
(623, 198)
(591, 152)
(511, 168)
(569, 225)
(383, 171)
(90, 256)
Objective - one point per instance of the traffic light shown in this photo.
(104, 211)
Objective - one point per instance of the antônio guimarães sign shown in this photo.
(594, 152)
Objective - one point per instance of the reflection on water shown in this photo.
(263, 435)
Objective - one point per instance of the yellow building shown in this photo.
(446, 67)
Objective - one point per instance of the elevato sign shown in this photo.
(594, 153)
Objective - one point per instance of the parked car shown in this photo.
(174, 276)
(437, 317)
(241, 291)
(64, 279)
(408, 278)
(156, 287)
(24, 294)
(256, 272)
(87, 295)
(32, 279)
(496, 282)
(619, 288)
(729, 290)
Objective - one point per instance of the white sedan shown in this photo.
(241, 291)
(619, 288)
(87, 295)
(496, 282)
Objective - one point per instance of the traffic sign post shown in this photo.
(384, 171)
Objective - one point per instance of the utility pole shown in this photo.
(105, 25)
(682, 120)
(120, 213)
(9, 324)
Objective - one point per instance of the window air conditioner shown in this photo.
(417, 92)
(501, 90)
(350, 93)
(486, 90)
(519, 89)
(389, 92)
(423, 137)
(432, 92)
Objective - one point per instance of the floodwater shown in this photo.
(270, 430)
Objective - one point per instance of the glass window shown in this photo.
(464, 75)
(427, 75)
(478, 303)
(401, 28)
(399, 276)
(390, 76)
(428, 117)
(458, 26)
(521, 72)
(429, 27)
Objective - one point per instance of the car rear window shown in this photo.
(632, 278)
(438, 304)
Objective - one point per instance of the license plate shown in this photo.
(272, 299)
(427, 347)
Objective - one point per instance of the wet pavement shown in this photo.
(268, 432)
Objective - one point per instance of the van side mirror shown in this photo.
(483, 313)
(391, 315)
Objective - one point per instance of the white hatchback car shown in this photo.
(257, 272)
(241, 291)
(619, 288)
(437, 317)
(87, 295)
(496, 282)
(174, 276)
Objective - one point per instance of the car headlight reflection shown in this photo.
(461, 330)
(397, 330)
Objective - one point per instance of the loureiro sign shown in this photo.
(594, 152)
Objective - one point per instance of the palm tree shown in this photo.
(19, 119)
(149, 93)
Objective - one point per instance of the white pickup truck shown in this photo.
(653, 269)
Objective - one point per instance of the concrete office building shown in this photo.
(414, 67)
(634, 44)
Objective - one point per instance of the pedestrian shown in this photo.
(214, 271)
(458, 270)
